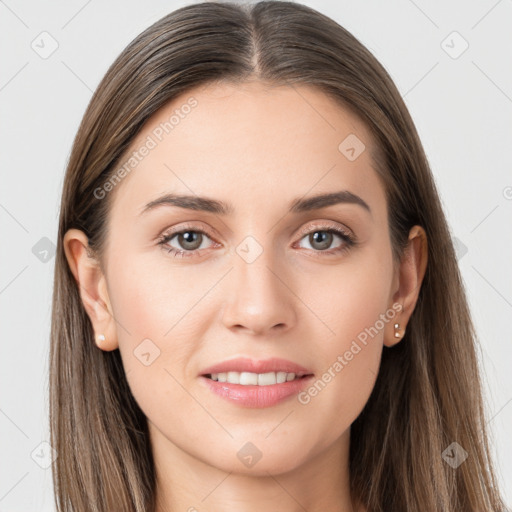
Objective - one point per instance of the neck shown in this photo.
(187, 483)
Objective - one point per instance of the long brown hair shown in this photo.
(428, 392)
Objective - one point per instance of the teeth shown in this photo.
(253, 379)
(281, 377)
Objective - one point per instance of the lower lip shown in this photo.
(256, 396)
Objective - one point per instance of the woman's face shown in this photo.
(269, 278)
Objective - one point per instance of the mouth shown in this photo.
(256, 379)
(245, 382)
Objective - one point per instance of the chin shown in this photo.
(261, 459)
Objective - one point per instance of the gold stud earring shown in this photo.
(397, 334)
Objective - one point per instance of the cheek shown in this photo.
(155, 328)
(153, 298)
(350, 297)
(351, 359)
(353, 307)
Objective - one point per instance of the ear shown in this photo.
(407, 283)
(92, 286)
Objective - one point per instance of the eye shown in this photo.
(321, 238)
(190, 241)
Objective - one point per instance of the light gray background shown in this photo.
(461, 106)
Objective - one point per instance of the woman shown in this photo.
(257, 304)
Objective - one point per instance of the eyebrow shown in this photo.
(206, 204)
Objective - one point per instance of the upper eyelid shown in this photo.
(326, 226)
(169, 233)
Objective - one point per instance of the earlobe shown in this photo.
(92, 287)
(411, 272)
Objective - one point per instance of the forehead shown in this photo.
(250, 145)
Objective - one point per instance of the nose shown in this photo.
(259, 298)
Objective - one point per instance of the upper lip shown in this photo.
(245, 364)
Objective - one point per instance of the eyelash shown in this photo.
(349, 240)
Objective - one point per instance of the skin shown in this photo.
(258, 148)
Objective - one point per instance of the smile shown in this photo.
(254, 379)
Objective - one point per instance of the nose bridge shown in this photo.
(259, 295)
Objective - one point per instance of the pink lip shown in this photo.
(245, 364)
(257, 396)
